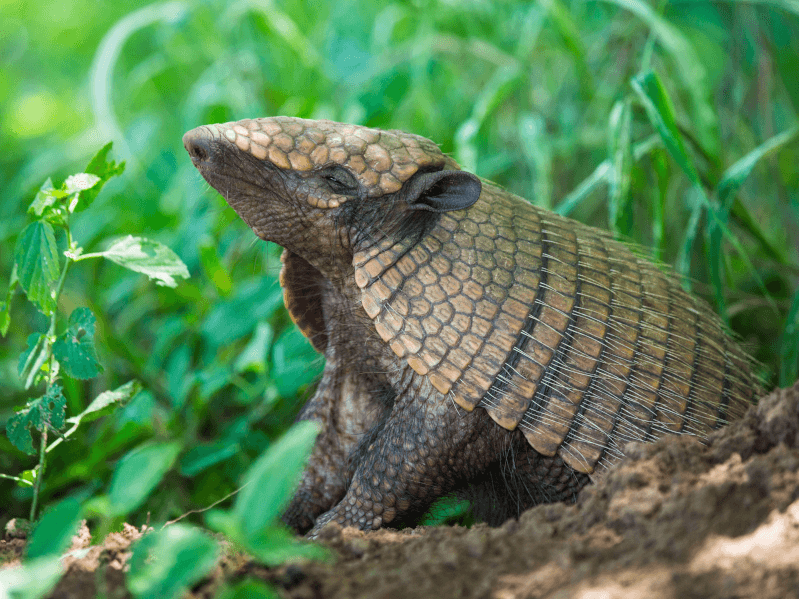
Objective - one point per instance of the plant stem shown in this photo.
(39, 474)
(51, 377)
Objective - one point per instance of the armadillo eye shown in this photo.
(340, 181)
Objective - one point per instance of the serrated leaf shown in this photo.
(103, 404)
(80, 182)
(39, 413)
(37, 262)
(270, 482)
(54, 532)
(148, 257)
(108, 401)
(166, 563)
(47, 204)
(138, 473)
(74, 349)
(104, 170)
(44, 198)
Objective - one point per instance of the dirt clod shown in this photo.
(675, 519)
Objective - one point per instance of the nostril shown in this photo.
(197, 144)
(197, 152)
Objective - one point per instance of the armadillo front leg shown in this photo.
(424, 449)
(344, 406)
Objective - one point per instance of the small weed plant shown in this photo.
(166, 562)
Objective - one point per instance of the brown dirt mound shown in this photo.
(676, 519)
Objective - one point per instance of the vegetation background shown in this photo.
(539, 97)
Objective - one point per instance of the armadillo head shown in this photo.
(303, 183)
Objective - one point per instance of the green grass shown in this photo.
(673, 125)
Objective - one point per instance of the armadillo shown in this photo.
(472, 340)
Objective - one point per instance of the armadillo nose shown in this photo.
(198, 144)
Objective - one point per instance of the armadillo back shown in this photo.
(553, 327)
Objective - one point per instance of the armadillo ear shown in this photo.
(443, 191)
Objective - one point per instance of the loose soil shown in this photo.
(676, 519)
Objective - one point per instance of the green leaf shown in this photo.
(214, 270)
(731, 182)
(537, 148)
(107, 402)
(104, 170)
(148, 257)
(658, 202)
(5, 307)
(103, 404)
(274, 545)
(32, 355)
(32, 580)
(660, 110)
(600, 175)
(39, 413)
(204, 456)
(253, 357)
(621, 158)
(733, 177)
(166, 563)
(789, 345)
(37, 262)
(5, 318)
(45, 197)
(686, 248)
(751, 224)
(563, 20)
(269, 483)
(294, 362)
(252, 302)
(502, 84)
(446, 509)
(690, 68)
(74, 349)
(138, 473)
(249, 589)
(80, 182)
(53, 534)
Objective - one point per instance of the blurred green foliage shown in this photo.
(536, 96)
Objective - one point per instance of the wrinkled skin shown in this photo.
(391, 443)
